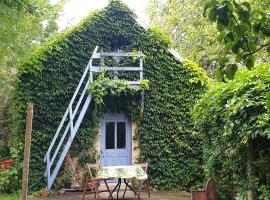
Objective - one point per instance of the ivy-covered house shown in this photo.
(119, 123)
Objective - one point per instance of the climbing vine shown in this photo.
(165, 129)
(104, 86)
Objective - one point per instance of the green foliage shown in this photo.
(243, 29)
(24, 24)
(192, 35)
(21, 31)
(10, 179)
(230, 116)
(13, 196)
(165, 130)
(103, 86)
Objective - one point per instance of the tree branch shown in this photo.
(260, 48)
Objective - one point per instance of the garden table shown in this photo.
(122, 172)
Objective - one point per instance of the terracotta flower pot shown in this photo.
(68, 159)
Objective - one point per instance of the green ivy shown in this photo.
(165, 129)
(230, 117)
(104, 86)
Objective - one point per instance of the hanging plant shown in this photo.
(103, 86)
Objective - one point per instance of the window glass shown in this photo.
(109, 135)
(121, 135)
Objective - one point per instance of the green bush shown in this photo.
(51, 74)
(234, 125)
(10, 178)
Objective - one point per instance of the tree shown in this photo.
(244, 30)
(24, 24)
(192, 35)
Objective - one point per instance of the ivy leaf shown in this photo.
(231, 69)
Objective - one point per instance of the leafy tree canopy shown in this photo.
(244, 30)
(24, 24)
(192, 35)
(196, 39)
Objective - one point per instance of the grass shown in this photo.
(12, 196)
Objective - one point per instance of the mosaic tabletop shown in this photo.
(125, 172)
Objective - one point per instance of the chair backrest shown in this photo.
(211, 189)
(92, 168)
(144, 166)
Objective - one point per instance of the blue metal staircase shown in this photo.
(73, 117)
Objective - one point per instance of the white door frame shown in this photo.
(116, 117)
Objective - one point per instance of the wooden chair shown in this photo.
(93, 183)
(144, 166)
(207, 193)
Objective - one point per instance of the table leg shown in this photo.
(119, 181)
(108, 189)
(135, 193)
(111, 193)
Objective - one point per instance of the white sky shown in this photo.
(75, 10)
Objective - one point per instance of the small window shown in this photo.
(109, 135)
(121, 135)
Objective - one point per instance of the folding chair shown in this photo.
(144, 166)
(93, 182)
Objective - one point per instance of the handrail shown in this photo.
(115, 68)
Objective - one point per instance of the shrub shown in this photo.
(234, 124)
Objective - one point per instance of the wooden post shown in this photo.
(27, 145)
(250, 172)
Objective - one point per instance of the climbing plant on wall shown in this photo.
(234, 125)
(51, 74)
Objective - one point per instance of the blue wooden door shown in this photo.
(115, 140)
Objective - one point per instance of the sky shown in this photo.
(75, 10)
